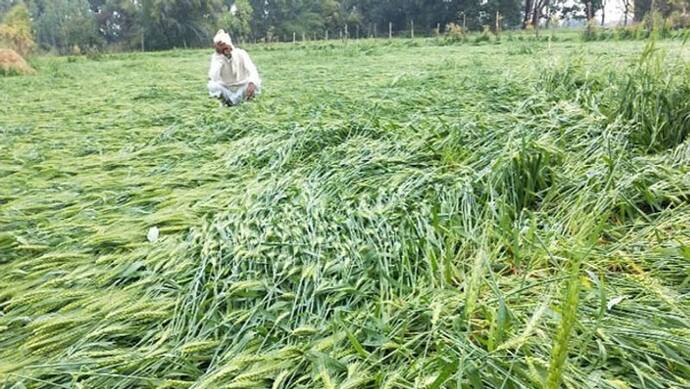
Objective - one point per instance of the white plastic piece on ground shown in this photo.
(153, 234)
(614, 301)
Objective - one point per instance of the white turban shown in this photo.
(222, 37)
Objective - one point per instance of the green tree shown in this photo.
(664, 7)
(236, 18)
(5, 5)
(15, 30)
(64, 24)
(121, 21)
(183, 23)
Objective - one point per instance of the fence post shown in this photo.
(498, 24)
(589, 18)
(412, 28)
(390, 30)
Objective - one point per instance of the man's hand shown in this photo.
(251, 89)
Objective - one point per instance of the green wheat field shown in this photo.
(388, 214)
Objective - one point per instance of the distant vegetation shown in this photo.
(85, 26)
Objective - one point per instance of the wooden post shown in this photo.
(498, 25)
(412, 28)
(294, 37)
(375, 34)
(357, 36)
(303, 38)
(463, 22)
(438, 28)
(390, 30)
(340, 34)
(326, 38)
(347, 33)
(589, 19)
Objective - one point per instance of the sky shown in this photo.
(614, 11)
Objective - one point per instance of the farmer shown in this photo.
(232, 77)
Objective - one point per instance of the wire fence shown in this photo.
(354, 32)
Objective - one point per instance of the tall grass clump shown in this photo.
(568, 312)
(527, 173)
(651, 98)
(572, 79)
(484, 36)
(454, 34)
(646, 99)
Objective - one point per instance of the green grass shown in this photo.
(387, 214)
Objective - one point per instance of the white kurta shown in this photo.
(234, 72)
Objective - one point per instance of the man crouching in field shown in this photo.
(232, 77)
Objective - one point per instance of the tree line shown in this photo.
(68, 25)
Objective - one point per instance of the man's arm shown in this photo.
(214, 70)
(251, 70)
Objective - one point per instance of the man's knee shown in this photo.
(215, 89)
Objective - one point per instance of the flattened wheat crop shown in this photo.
(385, 215)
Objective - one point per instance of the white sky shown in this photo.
(614, 12)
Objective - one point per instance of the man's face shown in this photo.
(223, 48)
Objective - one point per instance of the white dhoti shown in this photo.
(231, 95)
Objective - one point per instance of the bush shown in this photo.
(591, 32)
(629, 32)
(15, 32)
(93, 53)
(679, 20)
(485, 36)
(454, 33)
(12, 64)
